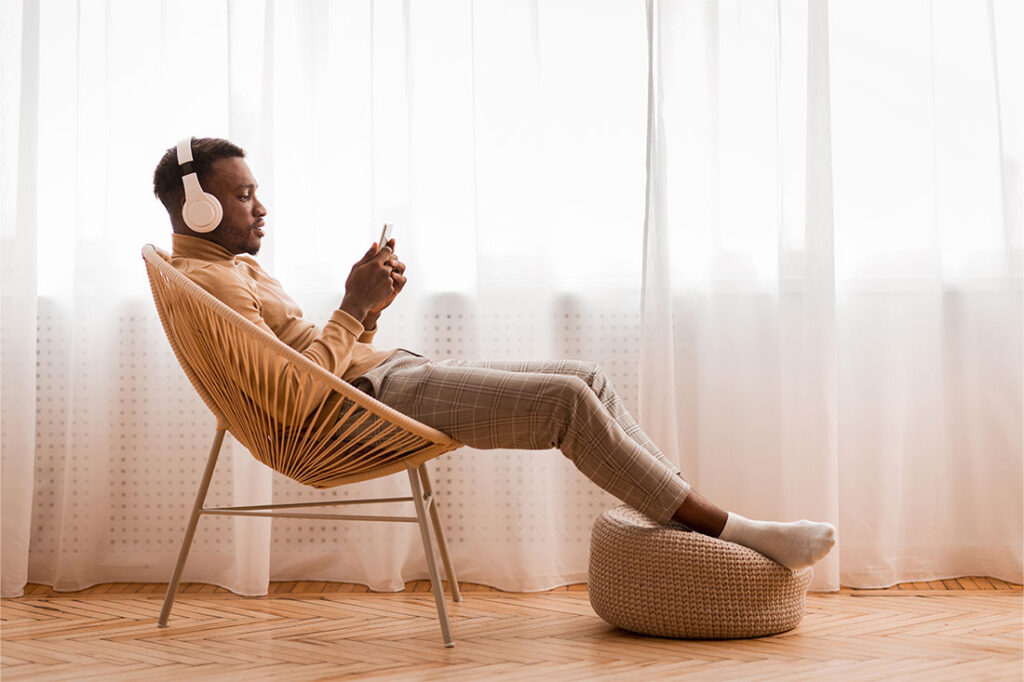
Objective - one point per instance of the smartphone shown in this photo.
(385, 235)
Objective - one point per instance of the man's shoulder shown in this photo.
(253, 270)
(251, 266)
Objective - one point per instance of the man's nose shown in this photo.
(259, 209)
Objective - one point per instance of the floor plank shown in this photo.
(964, 628)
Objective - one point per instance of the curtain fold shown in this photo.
(19, 30)
(738, 364)
(798, 260)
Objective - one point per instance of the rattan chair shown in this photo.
(306, 424)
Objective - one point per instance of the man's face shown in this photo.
(231, 181)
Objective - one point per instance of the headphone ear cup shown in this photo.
(202, 214)
(202, 211)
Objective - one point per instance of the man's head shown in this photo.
(222, 172)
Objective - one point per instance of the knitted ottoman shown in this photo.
(670, 581)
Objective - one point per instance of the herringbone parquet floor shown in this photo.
(964, 629)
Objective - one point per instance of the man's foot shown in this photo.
(795, 545)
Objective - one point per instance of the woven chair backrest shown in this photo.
(290, 413)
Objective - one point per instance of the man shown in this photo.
(567, 404)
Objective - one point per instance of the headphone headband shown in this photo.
(185, 150)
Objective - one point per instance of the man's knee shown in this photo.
(567, 389)
(564, 396)
(594, 376)
(590, 372)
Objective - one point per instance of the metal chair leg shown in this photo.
(442, 541)
(428, 549)
(190, 530)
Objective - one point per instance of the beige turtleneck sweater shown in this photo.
(342, 347)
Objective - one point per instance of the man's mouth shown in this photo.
(257, 229)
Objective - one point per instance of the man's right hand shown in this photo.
(369, 283)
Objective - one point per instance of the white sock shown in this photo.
(794, 545)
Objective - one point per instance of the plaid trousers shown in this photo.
(567, 404)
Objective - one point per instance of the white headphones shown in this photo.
(202, 212)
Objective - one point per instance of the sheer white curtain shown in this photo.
(830, 356)
(832, 291)
(511, 162)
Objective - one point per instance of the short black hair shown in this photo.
(205, 151)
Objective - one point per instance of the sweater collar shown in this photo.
(187, 246)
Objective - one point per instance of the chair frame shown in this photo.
(422, 497)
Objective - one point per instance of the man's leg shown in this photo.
(493, 408)
(485, 406)
(593, 375)
(696, 511)
(795, 544)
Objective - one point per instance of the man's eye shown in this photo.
(245, 197)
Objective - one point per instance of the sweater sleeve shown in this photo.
(367, 335)
(292, 399)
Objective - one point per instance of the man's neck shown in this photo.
(189, 246)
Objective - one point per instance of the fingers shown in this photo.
(369, 254)
(388, 250)
(389, 259)
(389, 262)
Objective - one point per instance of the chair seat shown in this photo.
(669, 581)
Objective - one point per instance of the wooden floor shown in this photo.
(962, 629)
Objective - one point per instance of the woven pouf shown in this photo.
(669, 581)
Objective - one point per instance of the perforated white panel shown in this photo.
(514, 519)
(119, 487)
